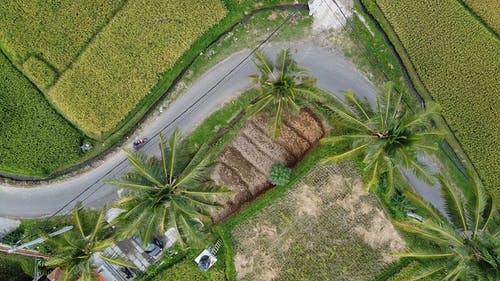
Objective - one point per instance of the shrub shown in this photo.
(40, 72)
(279, 174)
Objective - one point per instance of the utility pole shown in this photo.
(20, 250)
(40, 240)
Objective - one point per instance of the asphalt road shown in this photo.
(334, 73)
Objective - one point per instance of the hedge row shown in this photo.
(488, 10)
(456, 58)
(55, 30)
(126, 59)
(34, 139)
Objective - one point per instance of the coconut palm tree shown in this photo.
(388, 137)
(280, 84)
(75, 251)
(467, 243)
(171, 191)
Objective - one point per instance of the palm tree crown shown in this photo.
(388, 136)
(75, 251)
(280, 83)
(468, 242)
(173, 191)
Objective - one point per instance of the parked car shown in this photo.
(151, 249)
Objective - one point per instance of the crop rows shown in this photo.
(457, 59)
(123, 62)
(54, 30)
(34, 139)
(488, 10)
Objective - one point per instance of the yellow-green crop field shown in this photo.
(125, 60)
(488, 10)
(458, 60)
(55, 31)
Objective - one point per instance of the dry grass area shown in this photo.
(244, 164)
(326, 227)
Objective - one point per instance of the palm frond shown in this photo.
(477, 204)
(131, 185)
(77, 220)
(351, 99)
(342, 138)
(350, 118)
(422, 255)
(415, 199)
(418, 228)
(454, 202)
(117, 261)
(140, 167)
(427, 272)
(277, 121)
(98, 224)
(264, 64)
(343, 156)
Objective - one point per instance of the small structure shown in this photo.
(86, 147)
(205, 260)
(329, 14)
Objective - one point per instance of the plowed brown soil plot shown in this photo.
(243, 165)
(326, 227)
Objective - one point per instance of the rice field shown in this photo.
(126, 59)
(53, 30)
(488, 10)
(34, 139)
(458, 61)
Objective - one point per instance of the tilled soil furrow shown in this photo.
(305, 125)
(252, 154)
(267, 145)
(253, 178)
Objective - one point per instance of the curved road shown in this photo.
(207, 94)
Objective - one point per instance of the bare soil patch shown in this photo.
(325, 228)
(244, 163)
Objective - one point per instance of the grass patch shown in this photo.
(455, 74)
(34, 139)
(16, 267)
(55, 30)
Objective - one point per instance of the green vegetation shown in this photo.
(316, 231)
(16, 267)
(187, 270)
(40, 63)
(488, 11)
(74, 250)
(412, 270)
(124, 61)
(457, 75)
(40, 72)
(34, 139)
(280, 90)
(279, 174)
(467, 242)
(387, 137)
(57, 31)
(173, 191)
